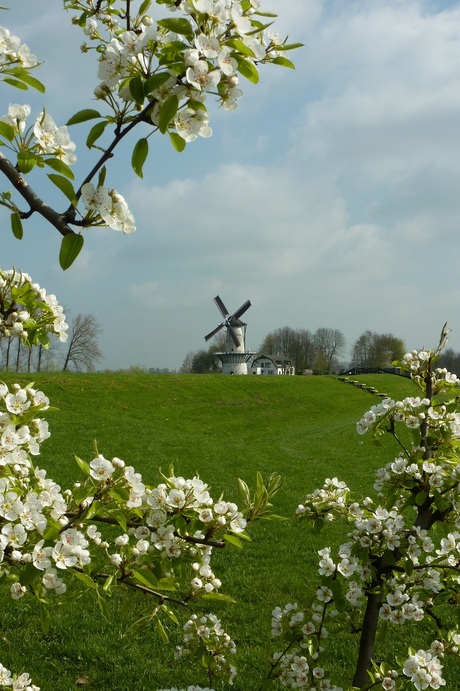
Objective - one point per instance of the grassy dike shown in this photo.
(221, 428)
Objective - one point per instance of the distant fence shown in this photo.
(375, 370)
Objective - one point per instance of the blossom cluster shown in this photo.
(412, 411)
(167, 526)
(13, 52)
(109, 205)
(440, 476)
(393, 533)
(297, 668)
(377, 531)
(415, 362)
(28, 311)
(45, 138)
(180, 61)
(206, 635)
(424, 667)
(333, 494)
(22, 682)
(158, 535)
(29, 500)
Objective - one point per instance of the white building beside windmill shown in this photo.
(272, 364)
(235, 358)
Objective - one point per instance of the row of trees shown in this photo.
(319, 352)
(450, 359)
(372, 350)
(79, 352)
(204, 361)
(322, 351)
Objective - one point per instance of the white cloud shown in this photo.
(330, 198)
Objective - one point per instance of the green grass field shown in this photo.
(222, 428)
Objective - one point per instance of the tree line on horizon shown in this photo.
(79, 353)
(320, 352)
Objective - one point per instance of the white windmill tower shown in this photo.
(235, 358)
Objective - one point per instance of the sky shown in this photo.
(329, 198)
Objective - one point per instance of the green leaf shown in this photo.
(29, 574)
(84, 578)
(7, 131)
(177, 141)
(318, 525)
(166, 584)
(109, 582)
(170, 614)
(155, 81)
(16, 83)
(27, 160)
(102, 605)
(259, 27)
(136, 88)
(265, 14)
(65, 186)
(16, 226)
(119, 494)
(71, 246)
(52, 530)
(218, 596)
(140, 153)
(161, 630)
(284, 62)
(101, 176)
(31, 81)
(83, 465)
(60, 167)
(146, 578)
(167, 112)
(233, 540)
(45, 618)
(144, 7)
(244, 491)
(83, 116)
(241, 47)
(83, 18)
(93, 509)
(121, 519)
(96, 132)
(138, 625)
(409, 567)
(177, 26)
(289, 46)
(420, 498)
(248, 70)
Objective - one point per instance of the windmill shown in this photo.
(234, 359)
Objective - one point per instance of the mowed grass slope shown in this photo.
(221, 428)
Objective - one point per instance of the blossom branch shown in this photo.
(136, 586)
(58, 220)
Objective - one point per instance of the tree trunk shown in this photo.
(368, 633)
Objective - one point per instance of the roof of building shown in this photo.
(276, 359)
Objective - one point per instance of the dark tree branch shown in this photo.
(36, 204)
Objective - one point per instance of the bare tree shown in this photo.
(46, 359)
(329, 345)
(186, 367)
(83, 349)
(296, 344)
